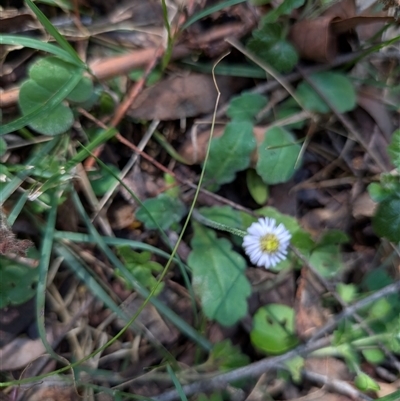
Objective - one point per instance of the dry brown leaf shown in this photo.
(52, 388)
(320, 39)
(310, 315)
(161, 330)
(363, 206)
(22, 351)
(179, 97)
(11, 18)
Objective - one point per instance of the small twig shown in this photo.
(335, 385)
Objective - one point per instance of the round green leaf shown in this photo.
(277, 156)
(386, 221)
(18, 282)
(51, 73)
(335, 86)
(273, 329)
(57, 121)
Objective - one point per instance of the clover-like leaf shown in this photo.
(164, 211)
(218, 277)
(51, 82)
(51, 73)
(230, 153)
(277, 156)
(57, 121)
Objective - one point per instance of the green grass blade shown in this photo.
(16, 210)
(45, 108)
(16, 181)
(56, 35)
(211, 10)
(14, 40)
(164, 310)
(391, 397)
(177, 384)
(87, 238)
(45, 254)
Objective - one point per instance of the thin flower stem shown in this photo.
(219, 226)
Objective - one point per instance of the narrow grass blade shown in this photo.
(177, 384)
(56, 35)
(16, 210)
(211, 10)
(14, 40)
(16, 181)
(164, 310)
(45, 253)
(87, 238)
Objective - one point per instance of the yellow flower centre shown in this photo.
(269, 243)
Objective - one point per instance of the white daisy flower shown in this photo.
(266, 243)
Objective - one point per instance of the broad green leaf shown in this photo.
(268, 34)
(273, 329)
(102, 180)
(284, 8)
(394, 149)
(326, 259)
(269, 45)
(18, 282)
(141, 266)
(257, 187)
(377, 192)
(51, 73)
(277, 156)
(335, 86)
(246, 106)
(230, 153)
(226, 356)
(290, 223)
(218, 277)
(295, 366)
(348, 292)
(223, 215)
(374, 355)
(333, 237)
(365, 382)
(58, 120)
(163, 209)
(386, 221)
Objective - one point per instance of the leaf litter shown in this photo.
(321, 182)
